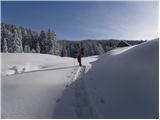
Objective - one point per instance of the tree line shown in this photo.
(15, 39)
(91, 47)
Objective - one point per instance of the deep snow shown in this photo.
(35, 86)
(122, 83)
(25, 62)
(34, 94)
(125, 84)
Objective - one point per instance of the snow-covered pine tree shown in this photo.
(42, 39)
(50, 43)
(5, 48)
(24, 37)
(35, 39)
(64, 52)
(16, 42)
(38, 48)
(56, 45)
(27, 49)
(9, 36)
(33, 51)
(99, 49)
(19, 32)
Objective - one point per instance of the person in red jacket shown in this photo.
(79, 56)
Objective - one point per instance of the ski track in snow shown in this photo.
(72, 77)
(43, 85)
(77, 100)
(83, 107)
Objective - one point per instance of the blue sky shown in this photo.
(86, 20)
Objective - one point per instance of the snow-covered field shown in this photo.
(35, 85)
(122, 83)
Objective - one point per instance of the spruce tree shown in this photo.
(5, 48)
(38, 48)
(50, 42)
(17, 42)
(27, 49)
(33, 51)
(43, 39)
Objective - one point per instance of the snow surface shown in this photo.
(35, 86)
(122, 83)
(125, 85)
(30, 62)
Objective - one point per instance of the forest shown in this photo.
(17, 39)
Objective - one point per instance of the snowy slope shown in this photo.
(124, 83)
(34, 92)
(35, 85)
(25, 62)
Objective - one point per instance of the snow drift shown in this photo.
(125, 84)
(122, 83)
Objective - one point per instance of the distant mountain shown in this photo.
(16, 39)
